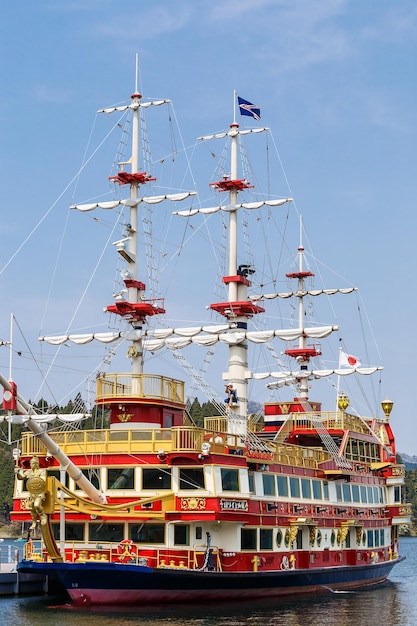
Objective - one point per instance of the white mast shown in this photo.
(304, 352)
(237, 292)
(303, 360)
(134, 294)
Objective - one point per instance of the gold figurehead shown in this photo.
(36, 485)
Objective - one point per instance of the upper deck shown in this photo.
(116, 387)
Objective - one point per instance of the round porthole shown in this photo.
(279, 538)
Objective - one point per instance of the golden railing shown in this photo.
(330, 420)
(167, 440)
(134, 553)
(108, 441)
(116, 386)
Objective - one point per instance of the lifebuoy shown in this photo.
(127, 548)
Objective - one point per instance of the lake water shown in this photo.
(392, 604)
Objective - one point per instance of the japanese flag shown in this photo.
(347, 360)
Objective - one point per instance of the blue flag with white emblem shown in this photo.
(247, 108)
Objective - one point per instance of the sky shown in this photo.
(336, 83)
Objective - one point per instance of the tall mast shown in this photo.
(238, 309)
(135, 291)
(237, 291)
(135, 309)
(303, 353)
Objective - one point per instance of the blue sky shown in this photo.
(335, 81)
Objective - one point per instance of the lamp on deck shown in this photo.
(387, 405)
(343, 401)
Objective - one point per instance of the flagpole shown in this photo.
(234, 106)
(338, 378)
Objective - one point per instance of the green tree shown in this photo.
(411, 493)
(6, 477)
(195, 412)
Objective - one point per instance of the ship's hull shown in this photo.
(126, 584)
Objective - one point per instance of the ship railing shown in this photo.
(330, 420)
(175, 439)
(138, 386)
(288, 454)
(169, 440)
(217, 423)
(9, 557)
(135, 553)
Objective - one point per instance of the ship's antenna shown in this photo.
(137, 73)
(234, 106)
(11, 348)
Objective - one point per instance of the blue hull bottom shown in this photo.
(124, 584)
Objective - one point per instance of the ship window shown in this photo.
(282, 483)
(168, 421)
(73, 531)
(251, 480)
(377, 495)
(305, 488)
(354, 449)
(191, 478)
(370, 535)
(269, 484)
(93, 476)
(198, 532)
(120, 478)
(182, 535)
(339, 492)
(346, 493)
(265, 539)
(364, 499)
(230, 479)
(326, 490)
(294, 487)
(147, 533)
(355, 493)
(110, 532)
(56, 474)
(370, 495)
(316, 484)
(156, 478)
(381, 537)
(397, 494)
(279, 538)
(248, 539)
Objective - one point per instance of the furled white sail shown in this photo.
(302, 294)
(233, 131)
(161, 337)
(134, 105)
(45, 418)
(130, 202)
(282, 377)
(232, 207)
(58, 340)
